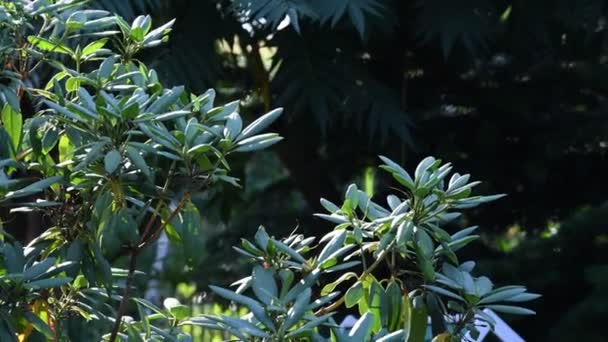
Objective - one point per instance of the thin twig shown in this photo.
(125, 297)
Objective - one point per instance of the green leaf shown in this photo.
(398, 172)
(288, 250)
(256, 146)
(244, 326)
(201, 148)
(144, 22)
(233, 127)
(112, 161)
(93, 154)
(298, 309)
(404, 233)
(166, 100)
(501, 294)
(235, 297)
(138, 160)
(332, 246)
(148, 305)
(106, 67)
(393, 309)
(34, 187)
(424, 242)
(171, 115)
(49, 140)
(262, 238)
(264, 285)
(310, 325)
(256, 308)
(180, 312)
(362, 329)
(43, 284)
(38, 268)
(49, 46)
(66, 148)
(396, 336)
(352, 195)
(76, 21)
(12, 121)
(444, 292)
(260, 124)
(39, 324)
(63, 111)
(94, 47)
(354, 294)
(515, 310)
(327, 289)
(417, 321)
(329, 206)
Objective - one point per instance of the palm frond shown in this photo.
(322, 81)
(358, 12)
(450, 22)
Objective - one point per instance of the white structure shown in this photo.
(502, 330)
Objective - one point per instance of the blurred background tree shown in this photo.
(516, 91)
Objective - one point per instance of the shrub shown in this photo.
(111, 158)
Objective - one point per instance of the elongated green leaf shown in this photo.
(501, 294)
(94, 46)
(34, 187)
(329, 206)
(515, 310)
(233, 296)
(138, 160)
(48, 283)
(244, 326)
(260, 124)
(49, 46)
(256, 146)
(417, 321)
(444, 292)
(332, 246)
(331, 286)
(38, 269)
(39, 324)
(13, 124)
(310, 325)
(49, 140)
(171, 115)
(148, 305)
(362, 329)
(63, 111)
(290, 251)
(398, 172)
(396, 336)
(298, 309)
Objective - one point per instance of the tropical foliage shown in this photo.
(112, 159)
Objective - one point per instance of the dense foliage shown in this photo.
(512, 90)
(111, 158)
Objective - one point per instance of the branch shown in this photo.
(340, 301)
(133, 262)
(125, 297)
